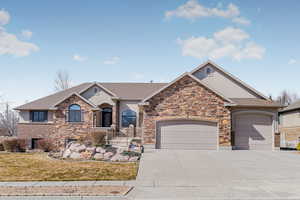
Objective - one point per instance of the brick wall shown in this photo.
(187, 99)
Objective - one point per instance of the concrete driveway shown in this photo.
(166, 174)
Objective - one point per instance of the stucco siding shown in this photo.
(24, 116)
(97, 96)
(290, 119)
(222, 83)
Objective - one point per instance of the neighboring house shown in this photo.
(289, 119)
(207, 108)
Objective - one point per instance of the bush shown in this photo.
(46, 145)
(298, 147)
(1, 147)
(98, 138)
(22, 145)
(84, 139)
(15, 145)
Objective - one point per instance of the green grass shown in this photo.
(38, 167)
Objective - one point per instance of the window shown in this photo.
(74, 113)
(208, 71)
(95, 90)
(39, 116)
(128, 117)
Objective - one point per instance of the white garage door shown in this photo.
(254, 132)
(187, 135)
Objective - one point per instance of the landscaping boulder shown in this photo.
(86, 155)
(119, 158)
(98, 156)
(100, 150)
(121, 150)
(79, 148)
(107, 155)
(134, 159)
(66, 153)
(75, 155)
(91, 150)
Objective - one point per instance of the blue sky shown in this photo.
(139, 41)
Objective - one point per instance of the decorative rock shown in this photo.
(86, 155)
(121, 150)
(91, 149)
(107, 155)
(72, 145)
(75, 155)
(79, 148)
(119, 157)
(98, 156)
(100, 150)
(123, 158)
(67, 153)
(134, 159)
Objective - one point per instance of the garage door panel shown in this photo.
(187, 135)
(253, 131)
(183, 146)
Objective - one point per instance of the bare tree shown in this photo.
(8, 120)
(62, 80)
(286, 98)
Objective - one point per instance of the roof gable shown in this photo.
(78, 95)
(195, 79)
(240, 88)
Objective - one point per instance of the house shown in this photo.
(289, 118)
(207, 108)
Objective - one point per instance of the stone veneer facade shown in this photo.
(187, 99)
(59, 130)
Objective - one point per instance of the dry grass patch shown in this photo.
(38, 167)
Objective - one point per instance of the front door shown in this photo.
(106, 117)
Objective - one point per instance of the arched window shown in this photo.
(128, 117)
(75, 113)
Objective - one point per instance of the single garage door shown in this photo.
(253, 132)
(187, 135)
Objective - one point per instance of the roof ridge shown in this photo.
(55, 93)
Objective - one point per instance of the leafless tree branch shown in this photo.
(286, 97)
(8, 120)
(62, 80)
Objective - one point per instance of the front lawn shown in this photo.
(38, 167)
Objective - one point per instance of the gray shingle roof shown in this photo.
(293, 106)
(254, 102)
(48, 101)
(132, 91)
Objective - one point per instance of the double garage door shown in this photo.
(186, 134)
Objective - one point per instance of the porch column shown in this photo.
(115, 115)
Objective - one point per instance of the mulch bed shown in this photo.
(64, 190)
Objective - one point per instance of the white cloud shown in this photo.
(292, 61)
(112, 61)
(79, 58)
(230, 34)
(4, 17)
(241, 20)
(26, 34)
(229, 42)
(192, 10)
(9, 43)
